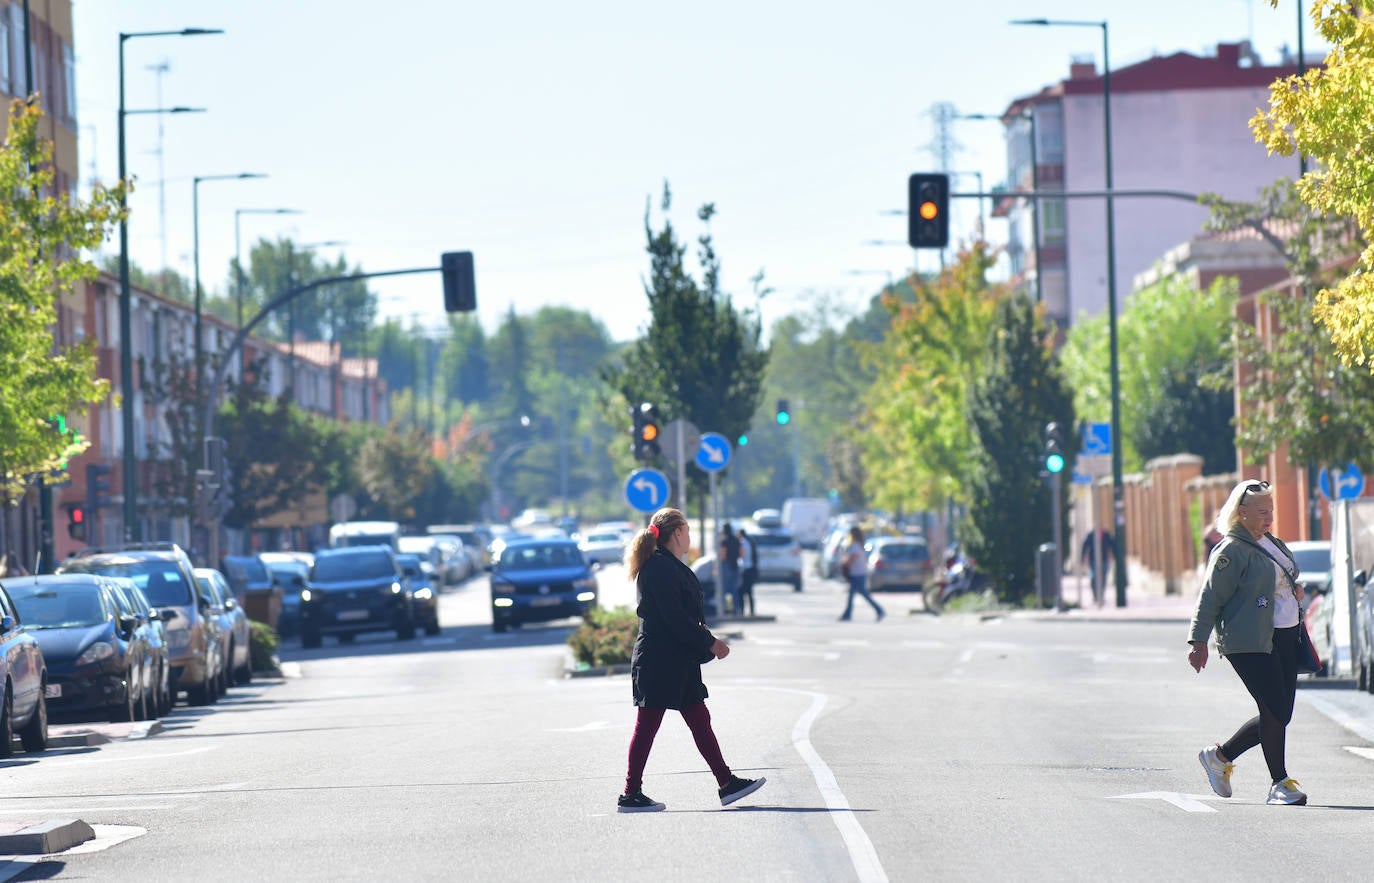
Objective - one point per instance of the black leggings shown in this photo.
(1272, 679)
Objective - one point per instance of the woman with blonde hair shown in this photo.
(1250, 596)
(672, 645)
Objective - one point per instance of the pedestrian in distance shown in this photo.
(727, 566)
(1250, 596)
(1098, 542)
(672, 645)
(749, 569)
(854, 566)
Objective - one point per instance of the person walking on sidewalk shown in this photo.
(672, 645)
(727, 567)
(749, 569)
(1250, 596)
(855, 570)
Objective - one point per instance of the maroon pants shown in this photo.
(646, 727)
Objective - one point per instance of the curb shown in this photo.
(88, 735)
(571, 669)
(45, 838)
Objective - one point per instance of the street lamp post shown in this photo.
(195, 262)
(132, 529)
(1118, 502)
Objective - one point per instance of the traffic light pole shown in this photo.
(1056, 513)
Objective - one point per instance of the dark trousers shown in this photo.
(1272, 680)
(646, 728)
(748, 577)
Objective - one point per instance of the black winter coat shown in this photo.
(673, 641)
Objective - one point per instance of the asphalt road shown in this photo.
(919, 748)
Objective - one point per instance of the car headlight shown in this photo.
(424, 594)
(395, 588)
(307, 595)
(179, 639)
(586, 596)
(502, 602)
(98, 651)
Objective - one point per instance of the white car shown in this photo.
(603, 546)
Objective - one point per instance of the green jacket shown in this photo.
(1237, 597)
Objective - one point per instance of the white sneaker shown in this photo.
(1218, 771)
(1286, 792)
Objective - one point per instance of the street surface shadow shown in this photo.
(42, 871)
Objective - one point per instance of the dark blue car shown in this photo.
(536, 580)
(95, 662)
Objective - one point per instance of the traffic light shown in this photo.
(784, 414)
(743, 440)
(928, 211)
(646, 432)
(76, 523)
(97, 486)
(460, 284)
(1054, 451)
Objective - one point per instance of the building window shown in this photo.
(5, 52)
(1052, 221)
(69, 83)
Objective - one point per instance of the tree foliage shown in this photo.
(1170, 335)
(1020, 390)
(40, 259)
(918, 443)
(1324, 114)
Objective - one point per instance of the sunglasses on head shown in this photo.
(1254, 487)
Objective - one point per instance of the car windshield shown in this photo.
(343, 568)
(903, 551)
(64, 607)
(538, 557)
(160, 579)
(1313, 560)
(410, 565)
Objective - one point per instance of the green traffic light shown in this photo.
(743, 440)
(1054, 462)
(784, 418)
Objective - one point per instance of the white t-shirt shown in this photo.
(859, 566)
(1285, 602)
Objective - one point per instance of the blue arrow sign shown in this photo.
(1349, 482)
(647, 490)
(1097, 438)
(714, 453)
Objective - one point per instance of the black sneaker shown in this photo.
(637, 802)
(737, 788)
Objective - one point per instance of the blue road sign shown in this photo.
(647, 490)
(714, 453)
(1080, 478)
(1349, 482)
(1097, 438)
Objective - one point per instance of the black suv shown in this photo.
(165, 574)
(353, 590)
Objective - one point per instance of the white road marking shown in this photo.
(1185, 802)
(828, 657)
(1360, 751)
(772, 642)
(1359, 726)
(861, 852)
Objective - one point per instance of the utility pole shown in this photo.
(159, 69)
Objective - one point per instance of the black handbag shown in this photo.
(1308, 662)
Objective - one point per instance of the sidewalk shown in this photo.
(1146, 600)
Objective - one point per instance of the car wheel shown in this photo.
(244, 673)
(796, 584)
(143, 706)
(432, 627)
(202, 693)
(126, 710)
(226, 674)
(1369, 675)
(498, 627)
(34, 736)
(7, 724)
(310, 639)
(406, 630)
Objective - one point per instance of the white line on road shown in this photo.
(828, 657)
(861, 851)
(1185, 802)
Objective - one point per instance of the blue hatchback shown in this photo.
(536, 580)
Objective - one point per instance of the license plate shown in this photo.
(545, 602)
(352, 615)
(52, 691)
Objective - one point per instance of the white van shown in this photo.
(366, 533)
(806, 517)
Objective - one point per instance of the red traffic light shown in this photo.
(78, 515)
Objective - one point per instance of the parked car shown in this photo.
(289, 571)
(1364, 631)
(898, 563)
(445, 560)
(25, 677)
(96, 660)
(140, 644)
(603, 546)
(157, 637)
(832, 551)
(1314, 575)
(780, 556)
(426, 600)
(356, 589)
(235, 643)
(705, 569)
(245, 573)
(537, 580)
(164, 573)
(475, 539)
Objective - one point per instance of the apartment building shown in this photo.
(1179, 122)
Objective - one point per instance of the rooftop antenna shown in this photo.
(161, 68)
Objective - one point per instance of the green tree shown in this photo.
(44, 234)
(1018, 394)
(700, 358)
(1324, 115)
(1171, 335)
(918, 444)
(395, 471)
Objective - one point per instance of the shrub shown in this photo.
(262, 646)
(605, 637)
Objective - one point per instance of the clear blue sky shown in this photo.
(533, 133)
